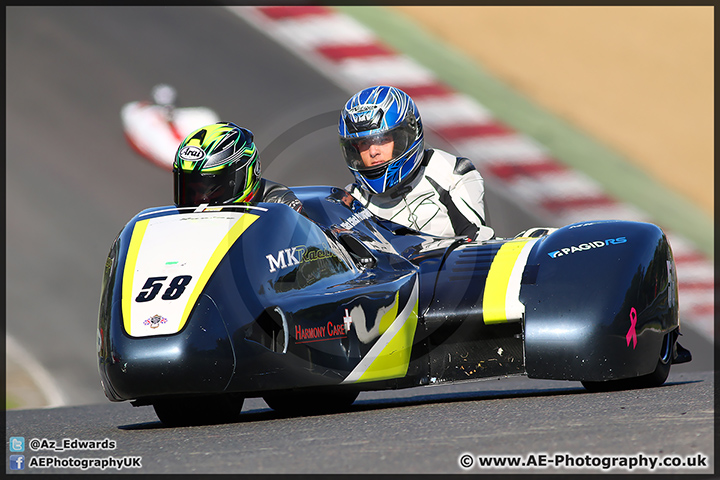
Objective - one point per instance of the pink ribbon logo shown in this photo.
(631, 334)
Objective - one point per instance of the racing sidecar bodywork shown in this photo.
(256, 300)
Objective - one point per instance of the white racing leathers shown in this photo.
(445, 198)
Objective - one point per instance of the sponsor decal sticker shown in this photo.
(325, 332)
(584, 224)
(348, 320)
(632, 334)
(355, 218)
(586, 246)
(295, 256)
(155, 321)
(191, 153)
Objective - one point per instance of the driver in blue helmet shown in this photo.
(397, 178)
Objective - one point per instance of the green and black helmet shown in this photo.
(216, 164)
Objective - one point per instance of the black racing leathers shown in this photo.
(273, 192)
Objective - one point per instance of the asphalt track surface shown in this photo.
(72, 183)
(422, 430)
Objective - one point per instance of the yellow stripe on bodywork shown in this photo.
(501, 301)
(394, 359)
(390, 356)
(233, 234)
(129, 271)
(390, 316)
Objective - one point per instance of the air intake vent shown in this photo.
(270, 330)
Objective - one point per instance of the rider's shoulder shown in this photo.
(442, 159)
(442, 163)
(272, 186)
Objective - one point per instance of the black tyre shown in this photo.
(295, 403)
(208, 410)
(654, 379)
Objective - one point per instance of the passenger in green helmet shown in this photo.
(219, 165)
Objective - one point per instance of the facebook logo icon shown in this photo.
(17, 462)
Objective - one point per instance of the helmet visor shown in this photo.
(371, 153)
(196, 188)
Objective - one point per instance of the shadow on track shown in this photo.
(377, 404)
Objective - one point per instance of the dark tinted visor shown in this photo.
(195, 188)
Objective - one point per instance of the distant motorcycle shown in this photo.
(155, 129)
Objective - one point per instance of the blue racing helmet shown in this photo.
(377, 116)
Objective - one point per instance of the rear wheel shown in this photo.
(206, 410)
(294, 403)
(654, 379)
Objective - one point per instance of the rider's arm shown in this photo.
(461, 190)
(468, 191)
(468, 194)
(277, 193)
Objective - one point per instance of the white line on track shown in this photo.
(41, 377)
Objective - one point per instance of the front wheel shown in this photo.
(207, 410)
(654, 379)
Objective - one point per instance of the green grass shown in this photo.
(11, 403)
